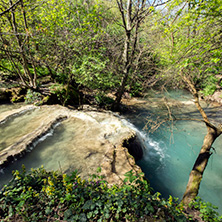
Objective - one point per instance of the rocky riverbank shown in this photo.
(100, 139)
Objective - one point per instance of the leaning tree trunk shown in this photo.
(200, 165)
(213, 132)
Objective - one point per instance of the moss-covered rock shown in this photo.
(64, 95)
(17, 94)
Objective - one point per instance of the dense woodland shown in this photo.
(99, 51)
(58, 47)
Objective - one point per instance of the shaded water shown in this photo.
(58, 151)
(173, 149)
(170, 154)
(78, 143)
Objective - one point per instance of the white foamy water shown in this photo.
(75, 144)
(168, 162)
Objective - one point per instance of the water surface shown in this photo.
(172, 150)
(20, 125)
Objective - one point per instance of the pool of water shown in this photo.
(54, 153)
(20, 125)
(172, 150)
(77, 143)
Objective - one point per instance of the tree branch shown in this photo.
(11, 7)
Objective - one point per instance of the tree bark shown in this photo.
(126, 70)
(196, 174)
(126, 19)
(133, 14)
(200, 164)
(28, 74)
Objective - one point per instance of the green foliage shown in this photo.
(32, 97)
(60, 91)
(40, 196)
(66, 94)
(5, 70)
(102, 100)
(207, 210)
(64, 38)
(191, 43)
(209, 85)
(91, 71)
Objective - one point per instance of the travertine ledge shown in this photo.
(100, 139)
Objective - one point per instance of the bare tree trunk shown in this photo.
(196, 174)
(127, 25)
(126, 70)
(28, 74)
(133, 14)
(200, 164)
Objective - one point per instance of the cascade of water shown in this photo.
(167, 162)
(79, 142)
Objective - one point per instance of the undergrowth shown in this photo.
(50, 196)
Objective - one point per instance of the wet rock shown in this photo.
(117, 162)
(134, 147)
(216, 97)
(96, 139)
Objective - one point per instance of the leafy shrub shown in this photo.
(207, 210)
(32, 97)
(91, 72)
(209, 86)
(51, 196)
(102, 100)
(60, 91)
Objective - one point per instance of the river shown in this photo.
(170, 151)
(173, 148)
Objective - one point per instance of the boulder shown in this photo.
(216, 97)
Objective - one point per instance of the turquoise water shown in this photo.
(172, 150)
(55, 152)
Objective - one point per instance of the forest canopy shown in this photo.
(110, 46)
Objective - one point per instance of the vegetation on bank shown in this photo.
(77, 52)
(51, 196)
(60, 49)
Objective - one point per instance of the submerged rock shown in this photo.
(91, 139)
